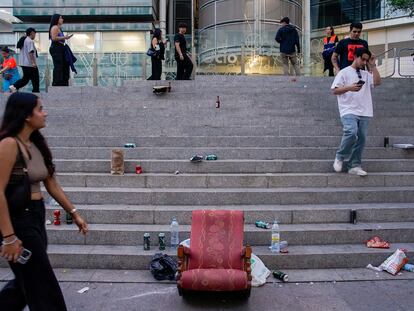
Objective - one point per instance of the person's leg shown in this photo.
(188, 68)
(331, 69)
(25, 79)
(157, 69)
(6, 84)
(36, 278)
(285, 63)
(180, 69)
(294, 60)
(12, 297)
(349, 136)
(355, 159)
(66, 71)
(57, 57)
(152, 69)
(35, 80)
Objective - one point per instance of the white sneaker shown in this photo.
(357, 171)
(338, 165)
(12, 89)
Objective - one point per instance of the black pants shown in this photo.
(328, 66)
(60, 65)
(29, 74)
(156, 68)
(184, 68)
(35, 283)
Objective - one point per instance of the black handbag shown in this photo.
(151, 52)
(18, 193)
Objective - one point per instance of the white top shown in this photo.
(28, 47)
(356, 103)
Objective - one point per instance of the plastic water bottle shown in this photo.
(275, 245)
(175, 240)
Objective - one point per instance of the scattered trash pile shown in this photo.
(394, 264)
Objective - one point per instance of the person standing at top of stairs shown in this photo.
(353, 89)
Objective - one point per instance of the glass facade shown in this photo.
(338, 12)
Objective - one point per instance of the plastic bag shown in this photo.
(395, 262)
(163, 267)
(259, 271)
(377, 242)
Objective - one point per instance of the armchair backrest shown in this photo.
(216, 240)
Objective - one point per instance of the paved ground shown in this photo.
(389, 295)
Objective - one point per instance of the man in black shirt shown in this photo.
(346, 48)
(184, 63)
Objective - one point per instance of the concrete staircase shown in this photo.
(275, 141)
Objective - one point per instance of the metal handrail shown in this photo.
(393, 56)
(399, 61)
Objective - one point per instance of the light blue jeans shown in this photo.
(353, 139)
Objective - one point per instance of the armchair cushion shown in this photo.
(214, 280)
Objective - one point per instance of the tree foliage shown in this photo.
(406, 6)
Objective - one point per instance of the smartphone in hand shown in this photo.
(361, 82)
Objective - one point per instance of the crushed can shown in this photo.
(147, 241)
(211, 157)
(280, 275)
(161, 241)
(138, 169)
(129, 145)
(262, 224)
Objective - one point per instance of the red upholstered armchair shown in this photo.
(216, 259)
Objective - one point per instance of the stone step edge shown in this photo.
(284, 228)
(295, 276)
(245, 208)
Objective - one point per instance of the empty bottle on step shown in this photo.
(175, 240)
(275, 244)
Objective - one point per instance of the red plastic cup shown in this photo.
(138, 169)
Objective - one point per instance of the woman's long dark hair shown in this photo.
(332, 30)
(53, 22)
(157, 33)
(19, 107)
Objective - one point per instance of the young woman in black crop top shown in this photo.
(22, 145)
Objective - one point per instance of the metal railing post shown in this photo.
(242, 62)
(47, 75)
(95, 71)
(144, 68)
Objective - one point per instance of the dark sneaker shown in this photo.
(196, 158)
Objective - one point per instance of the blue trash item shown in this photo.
(196, 158)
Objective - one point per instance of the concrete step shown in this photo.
(151, 180)
(285, 214)
(242, 196)
(304, 142)
(193, 141)
(299, 257)
(299, 234)
(144, 276)
(229, 166)
(225, 153)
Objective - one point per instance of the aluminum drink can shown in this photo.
(69, 218)
(386, 142)
(161, 241)
(147, 241)
(280, 275)
(262, 224)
